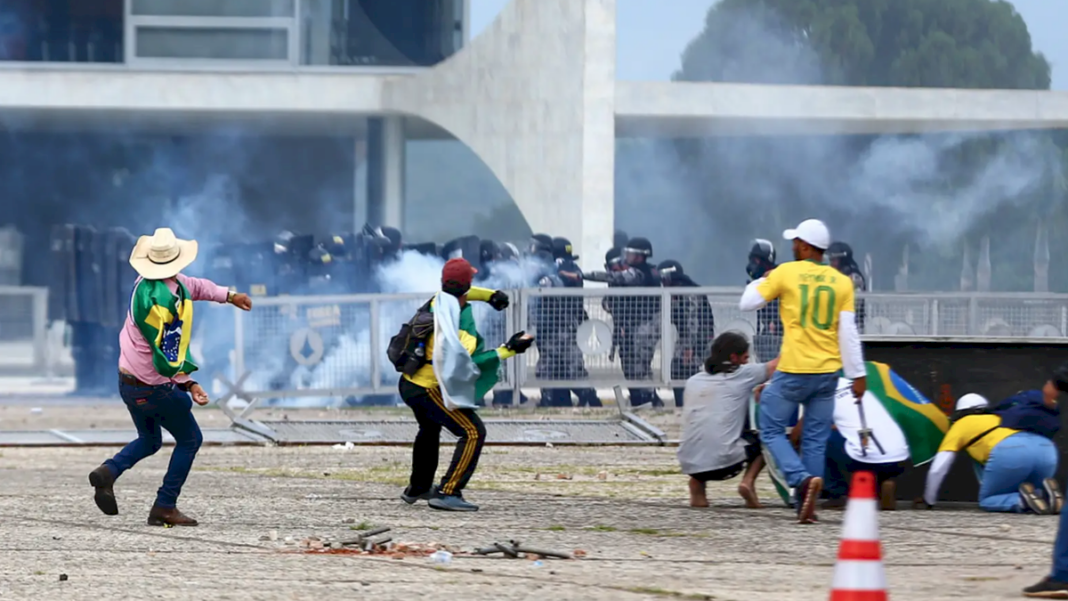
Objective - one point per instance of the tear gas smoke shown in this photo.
(702, 201)
(413, 277)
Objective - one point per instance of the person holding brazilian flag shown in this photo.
(155, 367)
(901, 428)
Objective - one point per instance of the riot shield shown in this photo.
(62, 286)
(87, 278)
(109, 278)
(122, 242)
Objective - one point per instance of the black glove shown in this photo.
(498, 301)
(518, 344)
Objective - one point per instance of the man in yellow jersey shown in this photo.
(820, 338)
(446, 389)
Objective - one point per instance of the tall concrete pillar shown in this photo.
(534, 97)
(385, 171)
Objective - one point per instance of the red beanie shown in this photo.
(456, 276)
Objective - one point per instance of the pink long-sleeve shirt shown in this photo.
(135, 356)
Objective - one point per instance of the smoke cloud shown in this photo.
(702, 201)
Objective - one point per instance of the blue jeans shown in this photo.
(1022, 457)
(1060, 551)
(779, 403)
(153, 408)
(840, 468)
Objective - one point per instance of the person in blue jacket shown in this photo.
(1055, 586)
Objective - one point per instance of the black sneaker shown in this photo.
(1047, 589)
(807, 496)
(1053, 495)
(451, 503)
(411, 499)
(102, 480)
(1031, 500)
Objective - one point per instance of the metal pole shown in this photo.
(376, 336)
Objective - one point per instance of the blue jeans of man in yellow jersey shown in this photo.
(778, 405)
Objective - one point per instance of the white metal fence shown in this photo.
(24, 347)
(334, 347)
(330, 347)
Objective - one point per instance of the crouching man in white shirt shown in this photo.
(846, 454)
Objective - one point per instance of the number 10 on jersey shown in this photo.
(817, 306)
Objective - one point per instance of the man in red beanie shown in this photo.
(445, 390)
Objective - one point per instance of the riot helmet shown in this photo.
(394, 236)
(637, 251)
(488, 251)
(336, 246)
(620, 238)
(838, 254)
(283, 241)
(669, 270)
(562, 249)
(761, 258)
(540, 243)
(613, 259)
(508, 252)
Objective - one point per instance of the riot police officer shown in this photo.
(559, 356)
(637, 318)
(768, 336)
(840, 256)
(691, 314)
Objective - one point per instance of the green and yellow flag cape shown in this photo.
(165, 319)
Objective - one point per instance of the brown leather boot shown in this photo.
(888, 496)
(103, 481)
(161, 516)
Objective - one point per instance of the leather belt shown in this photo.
(132, 381)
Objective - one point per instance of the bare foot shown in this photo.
(750, 496)
(697, 493)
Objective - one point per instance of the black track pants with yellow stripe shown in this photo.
(431, 413)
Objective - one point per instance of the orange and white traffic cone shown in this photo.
(859, 575)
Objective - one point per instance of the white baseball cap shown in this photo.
(812, 231)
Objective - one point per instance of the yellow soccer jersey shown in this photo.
(811, 295)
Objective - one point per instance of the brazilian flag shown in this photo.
(165, 319)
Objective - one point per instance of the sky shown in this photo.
(650, 39)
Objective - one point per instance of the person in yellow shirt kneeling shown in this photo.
(1017, 467)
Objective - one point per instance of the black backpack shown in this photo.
(407, 350)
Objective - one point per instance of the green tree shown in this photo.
(935, 43)
(753, 186)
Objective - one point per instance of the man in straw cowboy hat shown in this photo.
(155, 368)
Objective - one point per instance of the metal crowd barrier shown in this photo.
(24, 347)
(324, 348)
(333, 347)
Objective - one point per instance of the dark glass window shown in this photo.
(62, 30)
(212, 43)
(212, 8)
(380, 32)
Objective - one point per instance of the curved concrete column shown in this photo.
(534, 97)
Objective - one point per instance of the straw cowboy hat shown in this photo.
(162, 255)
